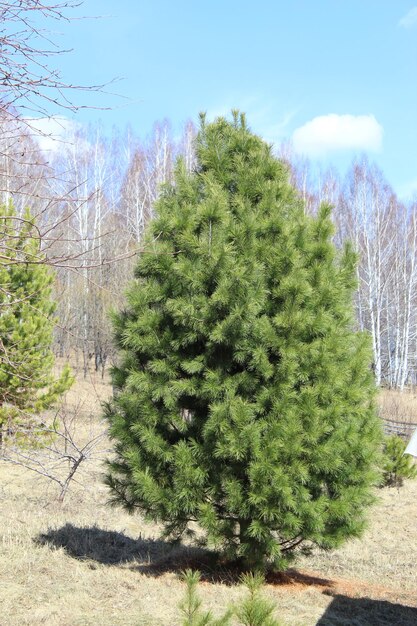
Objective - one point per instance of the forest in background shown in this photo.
(93, 194)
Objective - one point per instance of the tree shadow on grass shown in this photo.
(346, 611)
(296, 578)
(103, 546)
(152, 557)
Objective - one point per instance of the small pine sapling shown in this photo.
(191, 605)
(396, 466)
(256, 610)
(27, 383)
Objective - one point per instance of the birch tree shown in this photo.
(401, 318)
(368, 208)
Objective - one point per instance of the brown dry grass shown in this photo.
(400, 406)
(82, 563)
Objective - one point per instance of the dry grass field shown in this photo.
(80, 562)
(398, 405)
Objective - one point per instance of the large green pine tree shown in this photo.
(244, 397)
(27, 383)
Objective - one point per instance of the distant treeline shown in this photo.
(93, 195)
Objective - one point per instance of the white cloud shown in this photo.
(50, 132)
(409, 19)
(330, 133)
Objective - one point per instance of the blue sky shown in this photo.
(336, 77)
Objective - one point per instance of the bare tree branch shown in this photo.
(57, 452)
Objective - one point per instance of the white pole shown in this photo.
(412, 445)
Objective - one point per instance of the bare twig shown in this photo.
(55, 452)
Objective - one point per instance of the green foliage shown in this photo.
(255, 610)
(191, 605)
(27, 385)
(396, 466)
(245, 399)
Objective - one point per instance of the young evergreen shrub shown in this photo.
(396, 466)
(255, 610)
(27, 383)
(191, 605)
(244, 397)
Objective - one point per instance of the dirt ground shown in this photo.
(81, 562)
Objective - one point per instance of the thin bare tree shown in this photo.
(30, 83)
